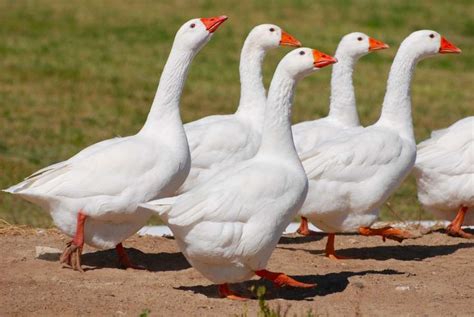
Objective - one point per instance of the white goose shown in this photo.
(342, 108)
(93, 196)
(444, 172)
(219, 140)
(228, 226)
(351, 176)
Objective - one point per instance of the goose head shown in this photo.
(269, 36)
(195, 33)
(426, 43)
(357, 44)
(303, 61)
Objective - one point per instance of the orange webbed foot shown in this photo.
(387, 233)
(458, 232)
(226, 292)
(454, 228)
(281, 279)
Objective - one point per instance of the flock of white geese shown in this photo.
(228, 185)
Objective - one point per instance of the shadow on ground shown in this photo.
(467, 230)
(325, 285)
(153, 262)
(294, 238)
(397, 252)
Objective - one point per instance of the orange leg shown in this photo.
(225, 292)
(304, 229)
(330, 251)
(72, 253)
(454, 228)
(125, 260)
(386, 233)
(281, 279)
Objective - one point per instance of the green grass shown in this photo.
(76, 72)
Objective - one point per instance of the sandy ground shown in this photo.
(432, 276)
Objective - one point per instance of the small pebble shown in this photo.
(47, 253)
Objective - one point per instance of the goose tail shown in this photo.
(160, 206)
(18, 188)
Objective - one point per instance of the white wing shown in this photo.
(449, 151)
(218, 142)
(216, 145)
(206, 121)
(105, 170)
(353, 157)
(309, 134)
(233, 196)
(444, 169)
(234, 213)
(51, 171)
(357, 171)
(83, 153)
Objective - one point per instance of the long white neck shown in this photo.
(396, 108)
(343, 102)
(277, 137)
(252, 91)
(164, 111)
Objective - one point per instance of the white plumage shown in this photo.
(228, 226)
(342, 109)
(444, 171)
(222, 140)
(107, 188)
(351, 176)
(106, 181)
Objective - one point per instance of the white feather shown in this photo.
(107, 180)
(444, 171)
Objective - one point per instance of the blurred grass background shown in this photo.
(76, 72)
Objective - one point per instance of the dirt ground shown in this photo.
(432, 275)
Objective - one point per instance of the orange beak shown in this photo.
(375, 45)
(288, 40)
(322, 60)
(448, 47)
(213, 23)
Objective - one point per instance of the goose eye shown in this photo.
(302, 52)
(272, 30)
(359, 38)
(432, 35)
(192, 25)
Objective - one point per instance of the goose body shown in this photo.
(444, 171)
(223, 140)
(309, 135)
(225, 232)
(228, 226)
(106, 181)
(108, 198)
(352, 175)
